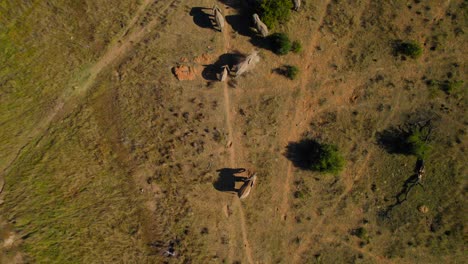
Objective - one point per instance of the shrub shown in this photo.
(418, 142)
(410, 48)
(451, 86)
(280, 43)
(329, 160)
(362, 233)
(310, 155)
(296, 47)
(291, 72)
(273, 12)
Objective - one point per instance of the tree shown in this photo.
(308, 154)
(274, 12)
(280, 43)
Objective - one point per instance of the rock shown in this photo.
(184, 72)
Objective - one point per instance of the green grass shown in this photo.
(70, 212)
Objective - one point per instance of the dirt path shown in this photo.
(69, 96)
(300, 113)
(232, 145)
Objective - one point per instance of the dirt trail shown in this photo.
(300, 113)
(232, 154)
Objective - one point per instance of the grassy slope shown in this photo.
(45, 49)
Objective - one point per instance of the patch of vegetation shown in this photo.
(447, 86)
(308, 154)
(417, 142)
(409, 48)
(361, 233)
(292, 72)
(280, 43)
(296, 46)
(409, 141)
(274, 12)
(289, 71)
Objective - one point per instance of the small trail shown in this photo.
(232, 153)
(115, 52)
(298, 123)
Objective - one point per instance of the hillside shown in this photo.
(107, 157)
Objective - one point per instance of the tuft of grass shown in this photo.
(291, 72)
(296, 46)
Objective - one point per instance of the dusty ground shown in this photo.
(118, 161)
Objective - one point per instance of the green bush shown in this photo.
(273, 12)
(291, 72)
(329, 160)
(418, 142)
(308, 154)
(410, 48)
(296, 47)
(280, 43)
(451, 86)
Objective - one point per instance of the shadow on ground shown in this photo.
(202, 17)
(302, 153)
(242, 23)
(393, 140)
(227, 179)
(211, 71)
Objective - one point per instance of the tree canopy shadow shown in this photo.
(201, 18)
(227, 179)
(393, 140)
(302, 153)
(241, 24)
(211, 71)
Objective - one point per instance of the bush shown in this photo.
(296, 47)
(310, 155)
(273, 12)
(411, 49)
(329, 160)
(418, 142)
(291, 72)
(280, 43)
(451, 86)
